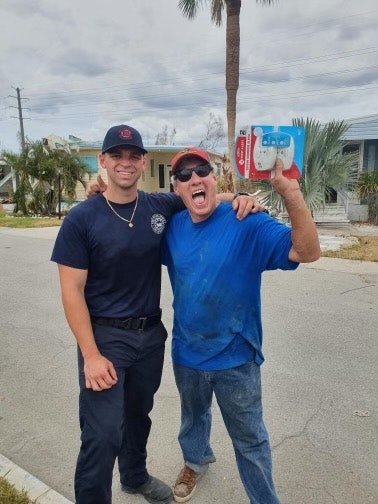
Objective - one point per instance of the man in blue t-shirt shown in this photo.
(108, 255)
(215, 263)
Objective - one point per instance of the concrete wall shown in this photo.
(357, 212)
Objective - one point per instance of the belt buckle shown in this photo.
(126, 324)
(142, 323)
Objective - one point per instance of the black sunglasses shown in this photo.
(186, 174)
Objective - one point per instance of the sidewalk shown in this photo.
(332, 238)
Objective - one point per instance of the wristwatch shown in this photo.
(248, 194)
(240, 194)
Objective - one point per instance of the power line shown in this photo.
(193, 105)
(211, 91)
(243, 71)
(95, 94)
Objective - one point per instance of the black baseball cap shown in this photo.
(122, 136)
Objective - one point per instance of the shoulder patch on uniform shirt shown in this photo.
(158, 223)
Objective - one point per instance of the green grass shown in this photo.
(13, 221)
(9, 494)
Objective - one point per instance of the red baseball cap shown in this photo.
(189, 152)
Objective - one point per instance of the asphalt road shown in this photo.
(319, 382)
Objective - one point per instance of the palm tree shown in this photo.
(325, 167)
(40, 171)
(190, 8)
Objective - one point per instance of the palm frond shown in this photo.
(189, 8)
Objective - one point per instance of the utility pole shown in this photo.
(19, 106)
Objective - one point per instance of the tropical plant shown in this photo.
(42, 175)
(367, 188)
(24, 187)
(190, 9)
(325, 167)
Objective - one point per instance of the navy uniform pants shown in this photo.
(115, 422)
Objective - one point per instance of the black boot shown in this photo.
(154, 491)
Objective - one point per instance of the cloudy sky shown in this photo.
(83, 66)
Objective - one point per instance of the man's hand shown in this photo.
(99, 373)
(244, 205)
(96, 187)
(283, 185)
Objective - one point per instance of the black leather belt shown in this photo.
(136, 323)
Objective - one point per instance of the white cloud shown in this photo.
(85, 66)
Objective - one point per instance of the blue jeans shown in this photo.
(238, 393)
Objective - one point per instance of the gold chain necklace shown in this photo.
(130, 222)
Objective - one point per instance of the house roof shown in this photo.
(97, 145)
(77, 144)
(362, 128)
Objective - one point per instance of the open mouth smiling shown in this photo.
(126, 172)
(199, 196)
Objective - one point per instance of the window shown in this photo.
(350, 149)
(161, 176)
(90, 162)
(371, 157)
(370, 153)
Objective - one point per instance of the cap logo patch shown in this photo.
(125, 134)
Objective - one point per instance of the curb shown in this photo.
(23, 480)
(343, 265)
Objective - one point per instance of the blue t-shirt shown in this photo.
(215, 268)
(124, 268)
